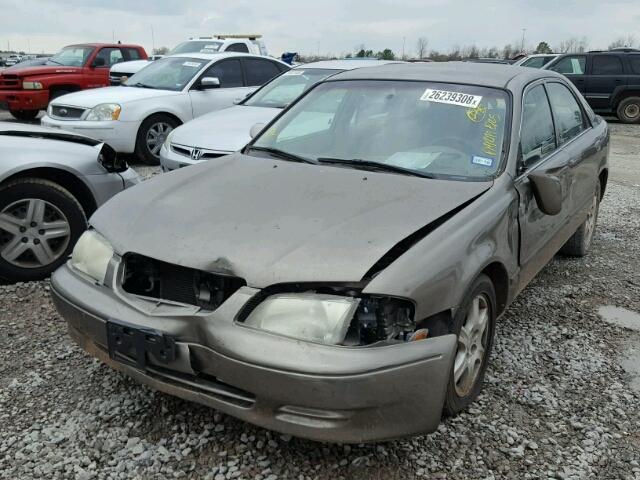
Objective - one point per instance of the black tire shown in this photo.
(142, 151)
(628, 110)
(52, 193)
(24, 115)
(455, 401)
(580, 242)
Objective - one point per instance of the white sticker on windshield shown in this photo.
(191, 64)
(451, 98)
(484, 161)
(294, 72)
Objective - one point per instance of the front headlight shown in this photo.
(103, 112)
(91, 255)
(32, 85)
(306, 316)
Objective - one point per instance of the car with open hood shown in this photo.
(138, 116)
(224, 131)
(340, 278)
(50, 184)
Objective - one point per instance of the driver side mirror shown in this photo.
(256, 129)
(209, 82)
(547, 190)
(98, 62)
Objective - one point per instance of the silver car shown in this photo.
(50, 183)
(225, 131)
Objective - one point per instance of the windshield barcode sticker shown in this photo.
(294, 72)
(191, 64)
(451, 98)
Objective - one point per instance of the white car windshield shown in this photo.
(197, 46)
(172, 73)
(437, 130)
(71, 56)
(283, 90)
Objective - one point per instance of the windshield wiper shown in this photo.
(283, 155)
(55, 61)
(371, 165)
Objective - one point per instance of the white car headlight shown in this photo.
(311, 317)
(91, 255)
(104, 111)
(32, 85)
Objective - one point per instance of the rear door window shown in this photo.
(573, 65)
(537, 137)
(259, 71)
(606, 65)
(634, 60)
(570, 120)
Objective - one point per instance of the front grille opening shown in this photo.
(152, 278)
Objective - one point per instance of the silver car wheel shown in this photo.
(156, 136)
(472, 344)
(33, 233)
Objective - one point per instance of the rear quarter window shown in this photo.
(634, 60)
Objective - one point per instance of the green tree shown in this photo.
(543, 47)
(386, 54)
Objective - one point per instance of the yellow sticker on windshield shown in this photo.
(477, 114)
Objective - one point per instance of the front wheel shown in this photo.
(474, 323)
(40, 223)
(151, 135)
(24, 115)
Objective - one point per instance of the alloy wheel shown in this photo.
(156, 136)
(33, 233)
(632, 110)
(472, 345)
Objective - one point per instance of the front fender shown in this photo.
(437, 271)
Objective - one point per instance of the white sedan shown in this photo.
(138, 116)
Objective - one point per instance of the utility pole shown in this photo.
(522, 46)
(404, 39)
(318, 53)
(153, 42)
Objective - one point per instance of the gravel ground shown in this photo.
(557, 403)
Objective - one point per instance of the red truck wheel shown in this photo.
(24, 115)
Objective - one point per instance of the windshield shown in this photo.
(197, 46)
(434, 129)
(536, 62)
(71, 56)
(284, 89)
(172, 73)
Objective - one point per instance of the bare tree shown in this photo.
(628, 41)
(573, 45)
(421, 47)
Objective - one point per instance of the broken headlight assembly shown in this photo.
(330, 319)
(91, 256)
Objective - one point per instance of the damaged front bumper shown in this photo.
(321, 392)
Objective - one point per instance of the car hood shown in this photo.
(226, 130)
(131, 67)
(121, 95)
(272, 221)
(22, 71)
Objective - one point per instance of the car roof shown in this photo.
(345, 64)
(483, 74)
(114, 45)
(218, 55)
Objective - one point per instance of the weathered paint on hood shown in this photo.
(272, 221)
(226, 130)
(22, 71)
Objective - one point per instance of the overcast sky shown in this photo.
(330, 26)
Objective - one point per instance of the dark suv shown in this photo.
(609, 81)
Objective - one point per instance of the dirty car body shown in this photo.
(302, 291)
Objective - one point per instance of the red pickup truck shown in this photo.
(24, 91)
